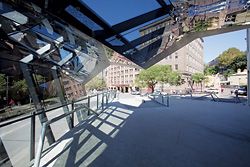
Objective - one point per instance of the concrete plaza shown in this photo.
(131, 132)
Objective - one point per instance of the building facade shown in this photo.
(187, 60)
(121, 74)
(73, 89)
(239, 78)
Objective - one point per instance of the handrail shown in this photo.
(162, 99)
(43, 130)
(41, 112)
(47, 123)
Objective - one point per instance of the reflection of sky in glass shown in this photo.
(64, 53)
(42, 30)
(82, 18)
(41, 43)
(4, 8)
(8, 12)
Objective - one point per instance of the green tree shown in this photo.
(239, 62)
(157, 74)
(198, 78)
(96, 83)
(19, 90)
(211, 70)
(2, 82)
(109, 52)
(174, 78)
(149, 77)
(163, 75)
(228, 57)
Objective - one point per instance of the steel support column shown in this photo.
(248, 66)
(60, 94)
(27, 73)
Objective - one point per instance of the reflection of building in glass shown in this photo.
(187, 60)
(121, 74)
(73, 89)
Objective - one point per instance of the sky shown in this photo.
(215, 45)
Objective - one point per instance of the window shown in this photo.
(176, 67)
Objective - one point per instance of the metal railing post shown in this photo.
(72, 115)
(162, 99)
(32, 136)
(88, 105)
(97, 102)
(106, 98)
(102, 101)
(167, 100)
(40, 146)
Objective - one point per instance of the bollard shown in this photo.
(106, 98)
(168, 101)
(88, 105)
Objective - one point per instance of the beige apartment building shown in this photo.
(121, 74)
(187, 60)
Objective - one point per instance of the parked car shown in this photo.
(212, 90)
(135, 92)
(241, 90)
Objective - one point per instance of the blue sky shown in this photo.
(215, 45)
(116, 11)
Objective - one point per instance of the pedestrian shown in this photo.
(12, 102)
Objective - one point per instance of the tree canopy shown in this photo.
(157, 74)
(228, 56)
(229, 62)
(174, 78)
(198, 78)
(211, 70)
(96, 83)
(149, 77)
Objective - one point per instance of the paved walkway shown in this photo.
(189, 133)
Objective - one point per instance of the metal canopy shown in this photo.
(144, 32)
